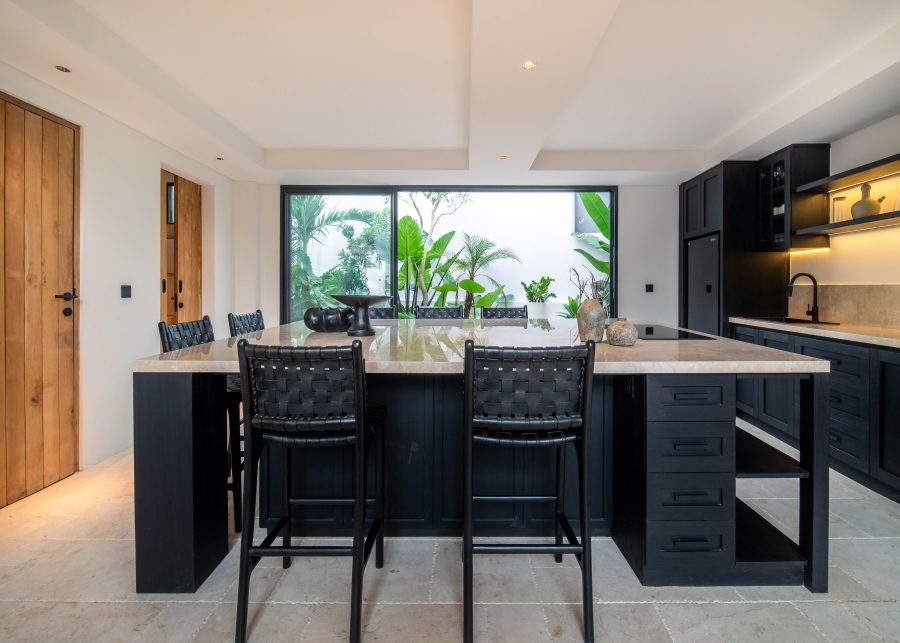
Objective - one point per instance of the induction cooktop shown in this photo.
(657, 331)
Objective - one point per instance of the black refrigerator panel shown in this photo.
(703, 284)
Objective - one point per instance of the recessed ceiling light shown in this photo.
(64, 70)
(503, 157)
(219, 158)
(528, 65)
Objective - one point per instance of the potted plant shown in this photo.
(537, 293)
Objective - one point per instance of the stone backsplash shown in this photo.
(858, 305)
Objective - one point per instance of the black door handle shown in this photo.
(67, 311)
(164, 285)
(67, 296)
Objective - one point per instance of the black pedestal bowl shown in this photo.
(360, 303)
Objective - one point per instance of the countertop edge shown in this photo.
(818, 331)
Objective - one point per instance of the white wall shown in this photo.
(648, 248)
(120, 245)
(648, 252)
(863, 257)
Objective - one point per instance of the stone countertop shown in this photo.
(406, 346)
(874, 335)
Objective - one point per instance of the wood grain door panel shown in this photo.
(38, 350)
(188, 249)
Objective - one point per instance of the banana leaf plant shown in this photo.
(423, 270)
(599, 254)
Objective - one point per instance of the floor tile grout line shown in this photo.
(810, 621)
(664, 623)
(433, 572)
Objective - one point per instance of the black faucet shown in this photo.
(814, 311)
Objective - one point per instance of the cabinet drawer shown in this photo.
(852, 450)
(690, 397)
(690, 496)
(690, 447)
(849, 364)
(849, 400)
(688, 544)
(745, 334)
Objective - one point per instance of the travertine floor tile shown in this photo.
(66, 621)
(266, 622)
(737, 622)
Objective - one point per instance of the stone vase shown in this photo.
(621, 332)
(591, 320)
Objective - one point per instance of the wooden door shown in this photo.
(38, 328)
(187, 248)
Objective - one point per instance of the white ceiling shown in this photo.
(413, 91)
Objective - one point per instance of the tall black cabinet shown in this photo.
(737, 223)
(722, 272)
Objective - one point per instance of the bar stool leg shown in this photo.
(560, 495)
(246, 564)
(286, 532)
(359, 539)
(234, 437)
(379, 498)
(587, 597)
(468, 591)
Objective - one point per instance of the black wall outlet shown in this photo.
(648, 287)
(126, 291)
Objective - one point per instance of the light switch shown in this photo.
(126, 291)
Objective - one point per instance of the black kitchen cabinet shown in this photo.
(885, 420)
(703, 284)
(747, 385)
(776, 394)
(781, 211)
(863, 404)
(721, 204)
(702, 203)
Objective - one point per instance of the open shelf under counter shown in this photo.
(764, 555)
(756, 459)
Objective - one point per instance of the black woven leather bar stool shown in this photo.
(193, 333)
(530, 397)
(303, 398)
(241, 324)
(450, 312)
(504, 313)
(383, 312)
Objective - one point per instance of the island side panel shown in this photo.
(814, 444)
(181, 500)
(424, 468)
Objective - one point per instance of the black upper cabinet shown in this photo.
(781, 211)
(701, 200)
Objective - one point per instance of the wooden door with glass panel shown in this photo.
(180, 249)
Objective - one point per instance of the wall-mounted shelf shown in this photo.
(862, 174)
(854, 225)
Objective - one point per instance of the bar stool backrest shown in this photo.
(241, 324)
(504, 313)
(383, 312)
(450, 312)
(294, 391)
(528, 390)
(184, 334)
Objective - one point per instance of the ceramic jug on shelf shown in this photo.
(866, 206)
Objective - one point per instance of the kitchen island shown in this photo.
(665, 453)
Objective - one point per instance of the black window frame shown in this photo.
(392, 192)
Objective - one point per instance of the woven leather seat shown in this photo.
(529, 397)
(504, 313)
(452, 312)
(298, 397)
(241, 324)
(383, 312)
(193, 333)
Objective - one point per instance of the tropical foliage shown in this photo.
(538, 291)
(599, 254)
(310, 221)
(477, 255)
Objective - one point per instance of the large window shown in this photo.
(472, 247)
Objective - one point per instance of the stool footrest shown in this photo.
(529, 548)
(324, 502)
(513, 498)
(306, 550)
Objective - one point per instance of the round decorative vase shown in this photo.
(591, 320)
(621, 332)
(866, 206)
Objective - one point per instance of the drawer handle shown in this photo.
(677, 542)
(690, 446)
(834, 399)
(687, 495)
(834, 438)
(692, 544)
(836, 362)
(691, 396)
